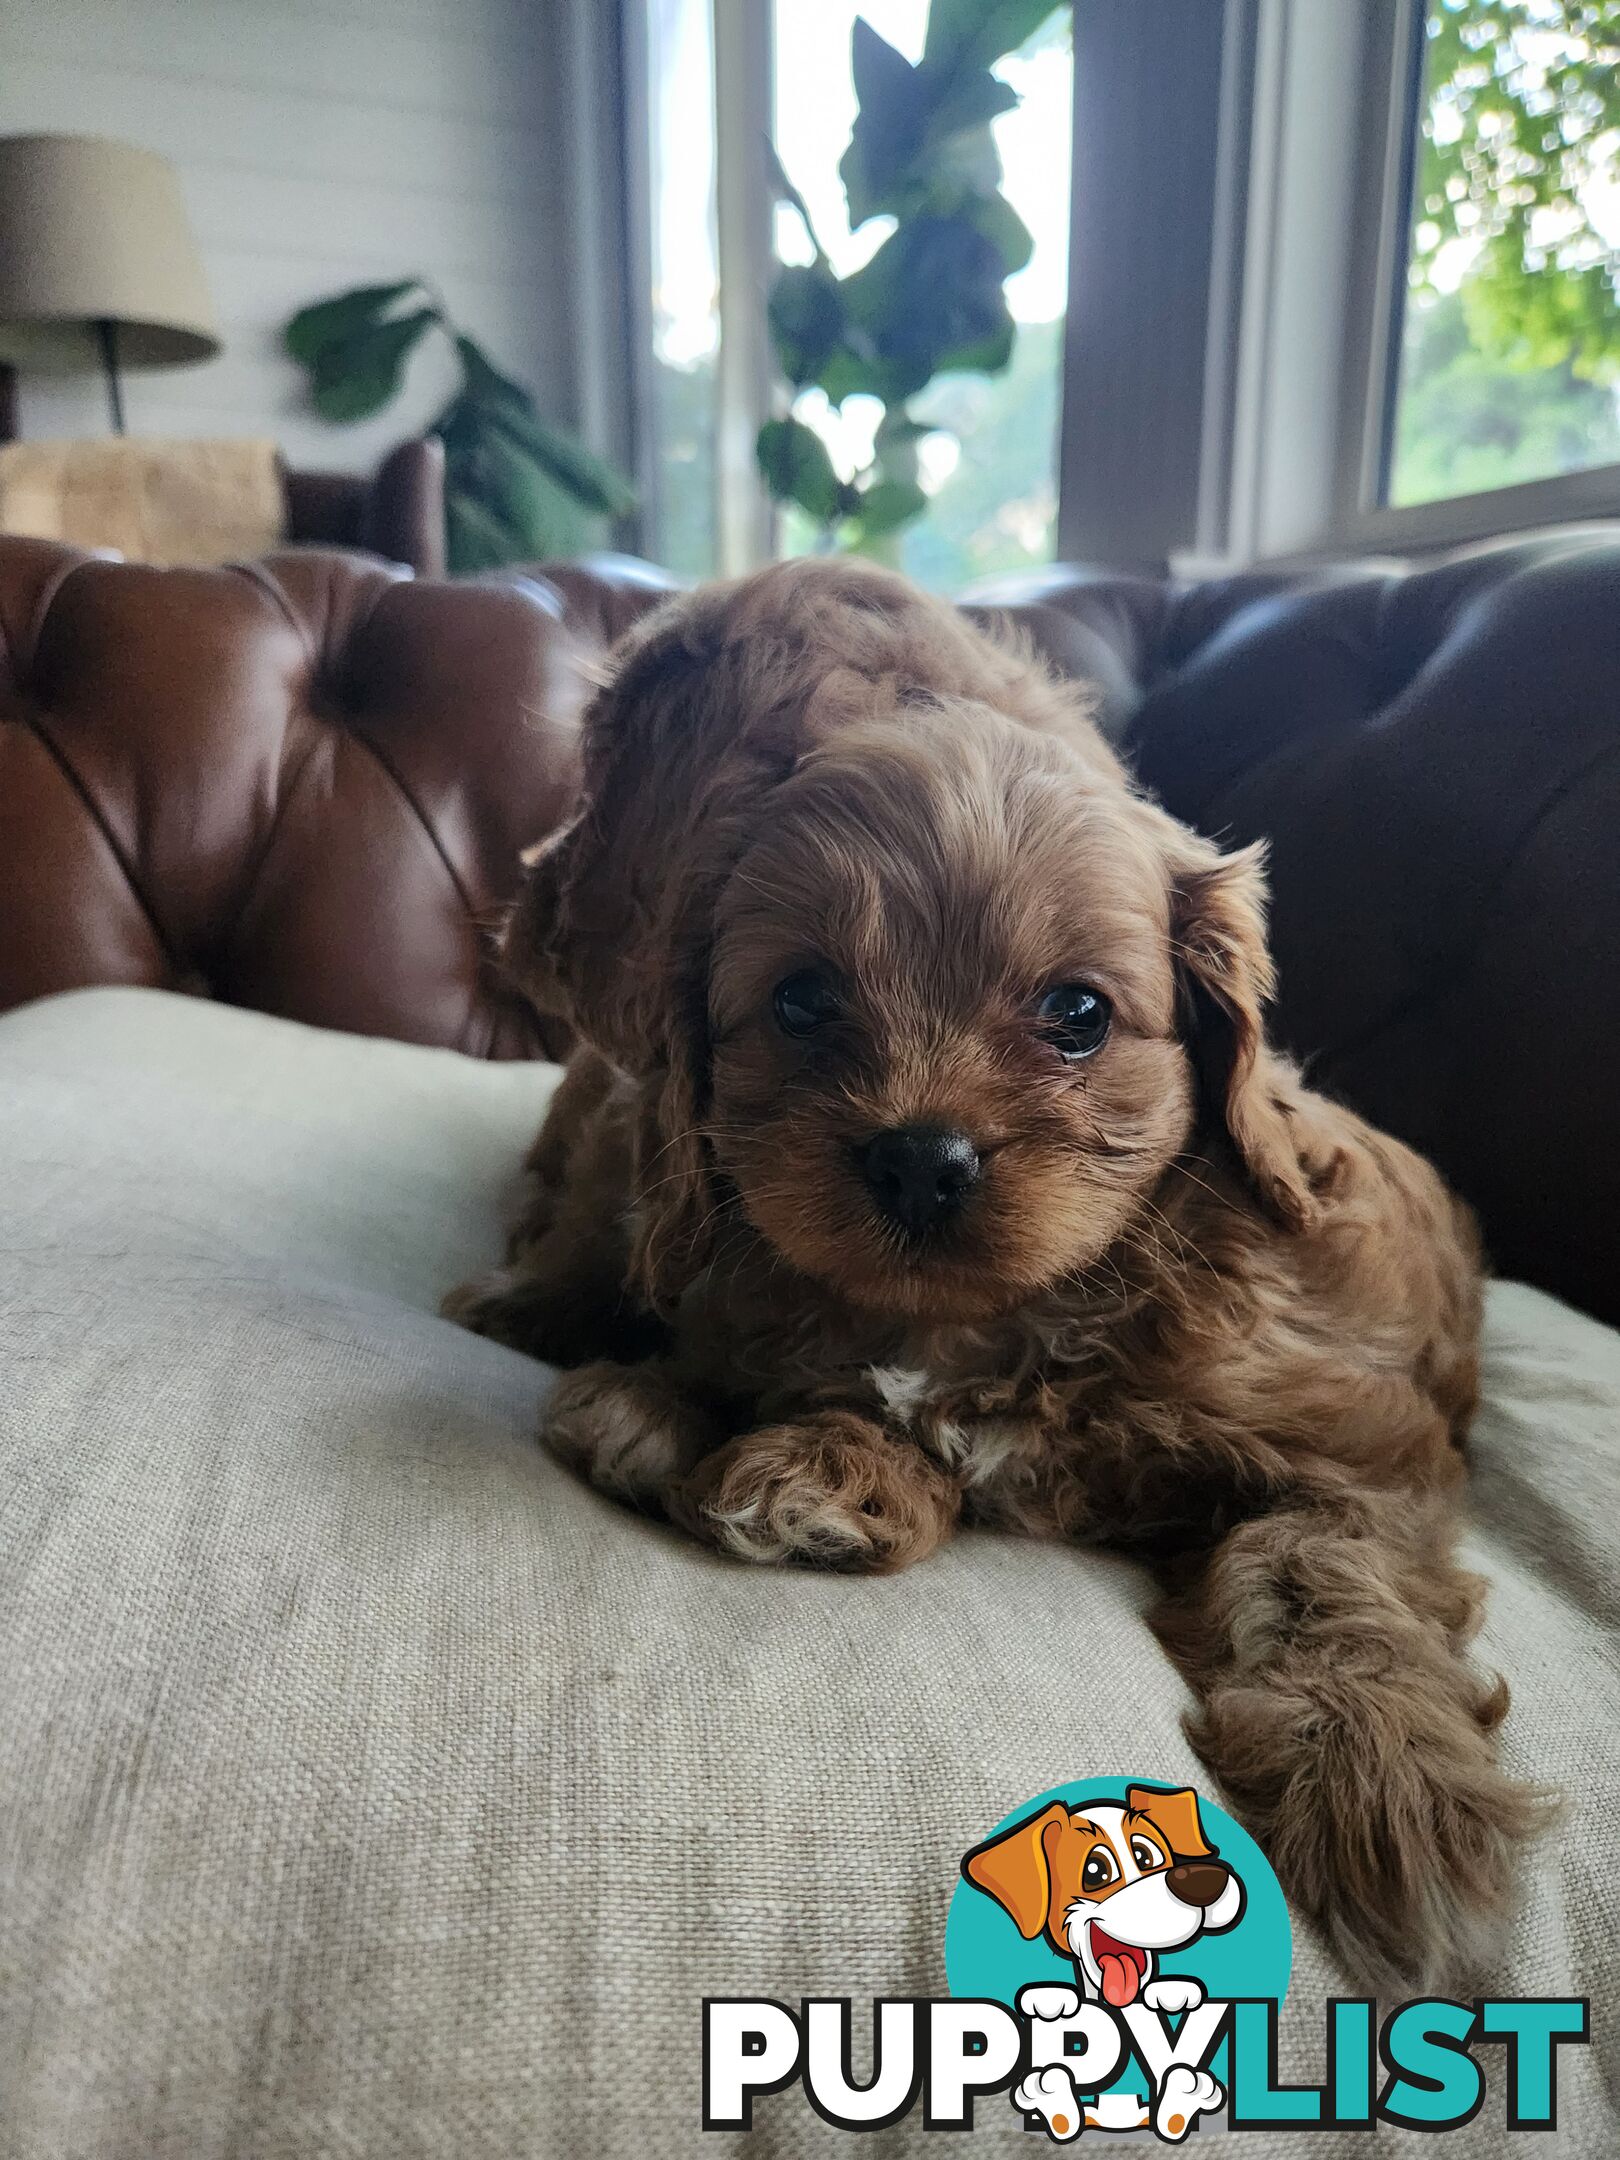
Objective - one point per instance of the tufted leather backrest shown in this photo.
(303, 786)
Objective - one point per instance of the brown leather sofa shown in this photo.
(301, 785)
(396, 512)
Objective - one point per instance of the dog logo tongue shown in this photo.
(1120, 1967)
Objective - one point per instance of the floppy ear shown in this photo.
(613, 928)
(1223, 965)
(1176, 1814)
(1015, 1869)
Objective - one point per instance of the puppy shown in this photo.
(924, 1162)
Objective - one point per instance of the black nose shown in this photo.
(918, 1175)
(1197, 1882)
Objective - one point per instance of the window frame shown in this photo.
(1289, 472)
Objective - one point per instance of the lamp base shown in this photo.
(107, 338)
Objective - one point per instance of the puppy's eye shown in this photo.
(1145, 1855)
(1074, 1019)
(1099, 1870)
(804, 1002)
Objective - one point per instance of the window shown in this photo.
(1370, 300)
(1415, 339)
(1509, 363)
(990, 467)
(678, 481)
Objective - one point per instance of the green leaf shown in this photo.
(483, 381)
(966, 34)
(342, 320)
(854, 369)
(883, 76)
(493, 400)
(353, 380)
(930, 293)
(988, 357)
(475, 539)
(587, 479)
(519, 493)
(547, 517)
(794, 461)
(888, 126)
(926, 152)
(806, 316)
(995, 217)
(887, 504)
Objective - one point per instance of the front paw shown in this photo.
(487, 1305)
(1403, 1845)
(830, 1492)
(626, 1431)
(1172, 1996)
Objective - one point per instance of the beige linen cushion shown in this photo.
(368, 1787)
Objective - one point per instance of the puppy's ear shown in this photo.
(613, 928)
(1015, 1868)
(1176, 1815)
(1223, 966)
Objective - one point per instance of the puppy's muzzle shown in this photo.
(918, 1175)
(1197, 1882)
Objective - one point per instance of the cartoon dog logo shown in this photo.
(1112, 1887)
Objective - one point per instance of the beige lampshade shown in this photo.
(95, 231)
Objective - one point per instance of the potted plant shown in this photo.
(515, 488)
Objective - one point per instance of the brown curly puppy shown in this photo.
(927, 1164)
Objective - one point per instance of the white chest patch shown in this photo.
(901, 1391)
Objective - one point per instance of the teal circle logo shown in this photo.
(1121, 1891)
(987, 1955)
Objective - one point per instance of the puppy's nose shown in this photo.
(918, 1175)
(1196, 1882)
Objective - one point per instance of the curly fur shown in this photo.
(1193, 1310)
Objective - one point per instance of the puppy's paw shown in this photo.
(1183, 2097)
(487, 1304)
(1050, 2094)
(1402, 1843)
(831, 1492)
(1049, 2003)
(626, 1431)
(1172, 1995)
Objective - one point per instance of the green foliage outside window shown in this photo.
(1512, 349)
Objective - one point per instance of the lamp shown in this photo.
(93, 234)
